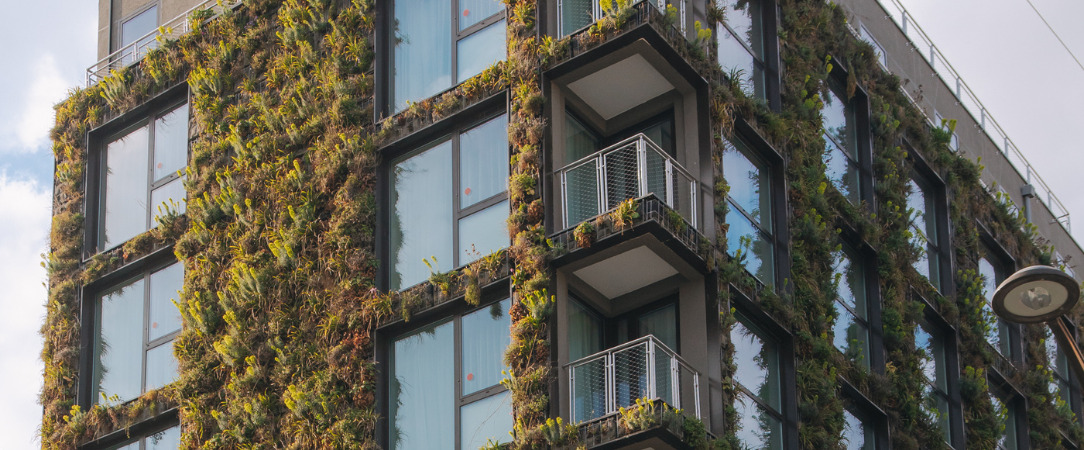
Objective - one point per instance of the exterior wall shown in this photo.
(111, 13)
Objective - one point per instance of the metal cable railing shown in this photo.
(172, 29)
(632, 168)
(922, 42)
(598, 13)
(617, 377)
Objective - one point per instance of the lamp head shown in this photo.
(1035, 294)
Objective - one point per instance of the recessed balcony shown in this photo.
(625, 377)
(575, 15)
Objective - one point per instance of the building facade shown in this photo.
(539, 224)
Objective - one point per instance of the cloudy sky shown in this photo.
(1001, 48)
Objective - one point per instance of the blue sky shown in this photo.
(1000, 47)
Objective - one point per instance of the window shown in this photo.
(167, 439)
(851, 332)
(878, 50)
(935, 369)
(858, 434)
(1061, 386)
(759, 401)
(445, 382)
(841, 153)
(139, 176)
(741, 44)
(924, 227)
(1006, 414)
(432, 51)
(449, 203)
(998, 332)
(575, 14)
(135, 324)
(138, 31)
(749, 237)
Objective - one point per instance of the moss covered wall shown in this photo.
(280, 303)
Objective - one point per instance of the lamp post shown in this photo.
(1042, 294)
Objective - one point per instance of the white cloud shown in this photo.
(37, 117)
(26, 208)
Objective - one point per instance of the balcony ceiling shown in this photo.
(626, 272)
(621, 86)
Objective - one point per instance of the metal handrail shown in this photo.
(672, 171)
(173, 28)
(971, 103)
(597, 13)
(653, 347)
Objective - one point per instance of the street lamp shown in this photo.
(1042, 294)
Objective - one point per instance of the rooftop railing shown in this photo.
(171, 29)
(616, 378)
(922, 42)
(597, 12)
(632, 168)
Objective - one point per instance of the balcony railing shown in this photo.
(632, 168)
(597, 12)
(966, 97)
(615, 378)
(172, 29)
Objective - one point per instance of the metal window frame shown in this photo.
(855, 258)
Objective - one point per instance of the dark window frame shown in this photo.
(770, 63)
(611, 337)
(936, 326)
(1004, 266)
(875, 341)
(96, 166)
(921, 172)
(857, 107)
(417, 143)
(1010, 397)
(387, 335)
(860, 406)
(385, 51)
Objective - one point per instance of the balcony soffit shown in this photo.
(621, 86)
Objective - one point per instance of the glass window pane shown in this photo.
(168, 439)
(169, 197)
(749, 185)
(483, 161)
(422, 218)
(474, 11)
(125, 197)
(480, 50)
(839, 122)
(423, 60)
(422, 389)
(747, 244)
(129, 446)
(171, 142)
(581, 193)
(487, 419)
(575, 14)
(139, 26)
(119, 344)
(164, 315)
(585, 332)
(485, 335)
(579, 140)
(856, 436)
(757, 428)
(757, 364)
(483, 232)
(850, 336)
(841, 171)
(161, 366)
(662, 323)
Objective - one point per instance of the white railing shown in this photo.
(599, 384)
(597, 12)
(632, 168)
(172, 29)
(922, 42)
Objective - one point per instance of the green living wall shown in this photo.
(280, 303)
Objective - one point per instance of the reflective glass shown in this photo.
(423, 64)
(138, 28)
(422, 389)
(483, 161)
(585, 332)
(745, 242)
(757, 428)
(839, 123)
(164, 316)
(757, 364)
(171, 142)
(575, 14)
(119, 344)
(997, 330)
(741, 44)
(856, 436)
(422, 215)
(842, 171)
(579, 141)
(131, 446)
(581, 193)
(749, 184)
(161, 366)
(168, 197)
(168, 439)
(850, 335)
(487, 419)
(485, 337)
(474, 11)
(480, 50)
(662, 323)
(483, 232)
(125, 198)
